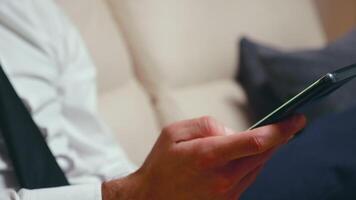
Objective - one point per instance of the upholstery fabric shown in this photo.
(103, 39)
(190, 42)
(183, 53)
(317, 164)
(182, 45)
(271, 77)
(128, 111)
(122, 102)
(222, 99)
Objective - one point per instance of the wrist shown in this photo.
(130, 187)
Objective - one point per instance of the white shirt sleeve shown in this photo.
(57, 80)
(78, 192)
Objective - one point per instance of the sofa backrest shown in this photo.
(186, 42)
(176, 47)
(123, 103)
(103, 39)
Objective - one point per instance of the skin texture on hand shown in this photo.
(202, 159)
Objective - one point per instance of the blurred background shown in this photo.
(161, 61)
(337, 16)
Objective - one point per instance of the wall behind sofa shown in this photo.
(338, 16)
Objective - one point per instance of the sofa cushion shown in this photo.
(128, 111)
(181, 44)
(317, 164)
(103, 39)
(271, 77)
(253, 78)
(221, 99)
(187, 42)
(122, 102)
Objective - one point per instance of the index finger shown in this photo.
(252, 142)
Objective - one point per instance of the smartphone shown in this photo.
(318, 90)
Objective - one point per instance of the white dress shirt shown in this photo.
(49, 66)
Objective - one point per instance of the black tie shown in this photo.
(34, 164)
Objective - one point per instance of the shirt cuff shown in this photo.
(75, 192)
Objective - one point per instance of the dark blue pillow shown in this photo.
(270, 76)
(319, 164)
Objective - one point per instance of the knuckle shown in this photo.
(208, 120)
(168, 131)
(209, 125)
(256, 143)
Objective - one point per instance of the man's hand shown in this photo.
(201, 159)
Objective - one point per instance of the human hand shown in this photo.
(201, 159)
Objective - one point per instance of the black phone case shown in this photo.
(316, 91)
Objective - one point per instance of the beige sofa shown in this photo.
(160, 61)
